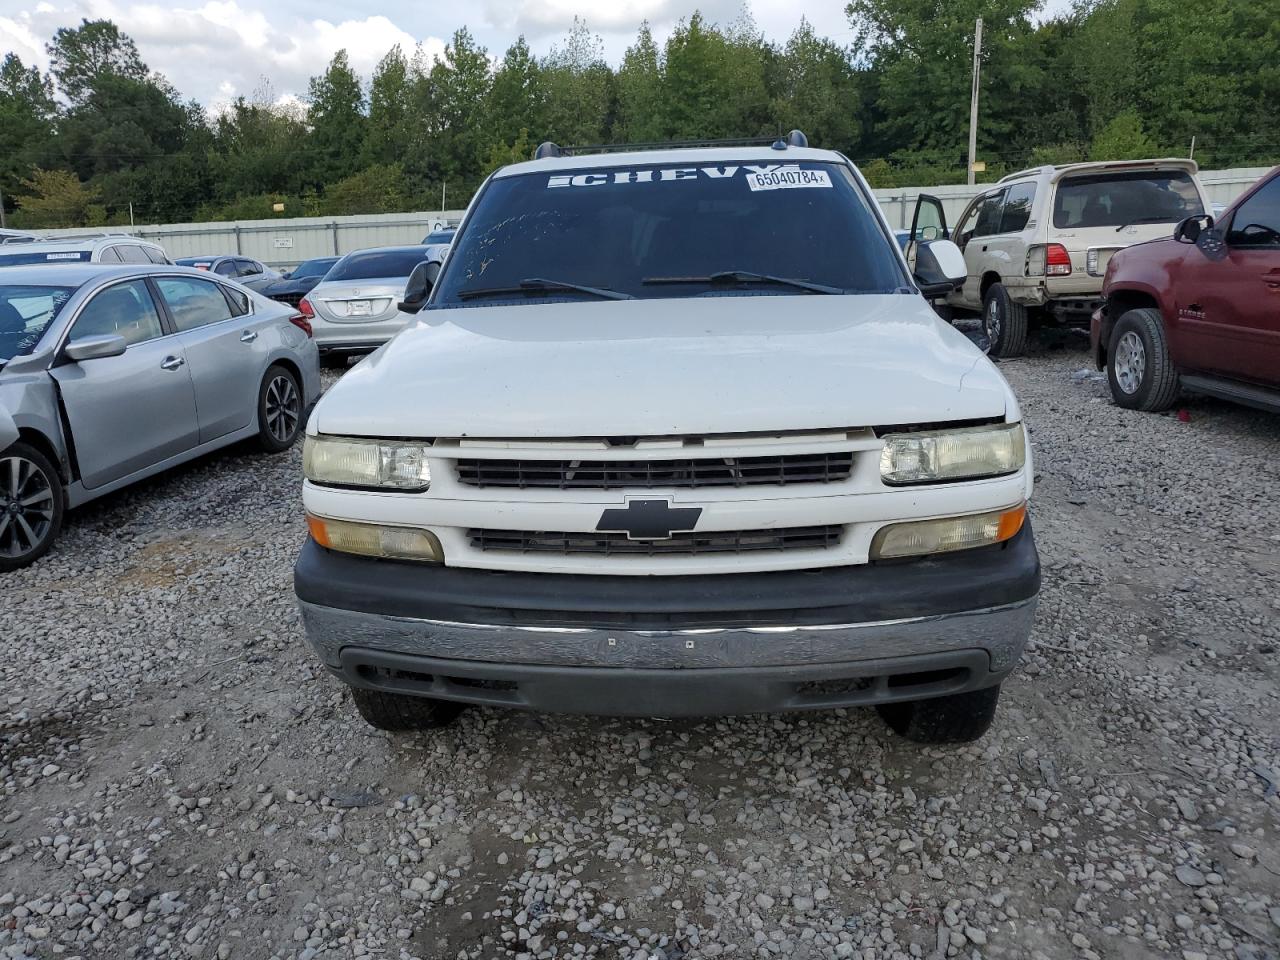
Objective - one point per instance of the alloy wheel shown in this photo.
(26, 507)
(991, 320)
(1130, 362)
(284, 409)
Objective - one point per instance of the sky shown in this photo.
(219, 49)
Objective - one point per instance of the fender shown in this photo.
(8, 429)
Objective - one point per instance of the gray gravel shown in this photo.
(178, 779)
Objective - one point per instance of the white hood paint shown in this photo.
(677, 366)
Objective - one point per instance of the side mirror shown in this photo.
(286, 275)
(1189, 230)
(939, 267)
(419, 287)
(97, 347)
(928, 233)
(1212, 243)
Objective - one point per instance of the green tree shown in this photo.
(1123, 139)
(639, 85)
(80, 56)
(26, 120)
(458, 90)
(255, 149)
(922, 51)
(54, 199)
(579, 87)
(714, 84)
(817, 90)
(517, 98)
(376, 189)
(390, 105)
(336, 117)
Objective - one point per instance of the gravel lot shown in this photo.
(179, 779)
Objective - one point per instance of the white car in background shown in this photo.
(355, 308)
(82, 248)
(1036, 244)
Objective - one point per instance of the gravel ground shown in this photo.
(178, 779)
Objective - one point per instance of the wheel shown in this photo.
(279, 410)
(959, 718)
(31, 505)
(1004, 322)
(395, 711)
(1141, 374)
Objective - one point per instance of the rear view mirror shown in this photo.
(418, 289)
(939, 267)
(1189, 230)
(96, 347)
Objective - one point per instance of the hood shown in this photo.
(697, 365)
(300, 285)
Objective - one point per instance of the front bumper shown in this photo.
(672, 646)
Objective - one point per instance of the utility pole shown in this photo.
(973, 99)
(130, 213)
(2, 223)
(1192, 154)
(443, 186)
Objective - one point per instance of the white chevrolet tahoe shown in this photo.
(675, 433)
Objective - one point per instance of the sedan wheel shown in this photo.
(280, 409)
(284, 408)
(30, 506)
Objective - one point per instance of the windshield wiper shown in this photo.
(746, 276)
(536, 284)
(1130, 223)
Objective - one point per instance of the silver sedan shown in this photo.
(109, 374)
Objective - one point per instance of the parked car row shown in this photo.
(1175, 297)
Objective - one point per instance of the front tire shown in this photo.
(279, 410)
(958, 718)
(1139, 368)
(395, 711)
(31, 506)
(1004, 322)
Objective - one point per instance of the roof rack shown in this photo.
(99, 235)
(548, 149)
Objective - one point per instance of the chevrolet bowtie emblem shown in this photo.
(649, 520)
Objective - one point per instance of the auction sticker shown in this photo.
(788, 178)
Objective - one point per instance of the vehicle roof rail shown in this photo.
(99, 235)
(795, 138)
(1024, 173)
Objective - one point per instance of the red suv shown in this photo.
(1199, 311)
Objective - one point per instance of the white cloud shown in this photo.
(220, 50)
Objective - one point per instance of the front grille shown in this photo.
(292, 299)
(679, 544)
(648, 474)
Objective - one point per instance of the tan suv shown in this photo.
(1036, 245)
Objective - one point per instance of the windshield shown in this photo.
(670, 231)
(26, 311)
(314, 268)
(27, 257)
(1117, 199)
(369, 264)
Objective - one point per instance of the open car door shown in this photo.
(928, 222)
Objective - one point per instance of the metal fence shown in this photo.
(899, 203)
(287, 242)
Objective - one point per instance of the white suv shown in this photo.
(1036, 245)
(85, 248)
(674, 433)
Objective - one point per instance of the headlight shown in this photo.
(921, 537)
(375, 540)
(932, 456)
(352, 462)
